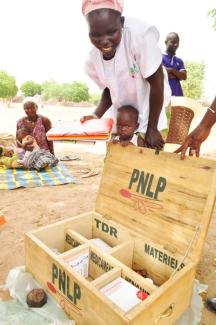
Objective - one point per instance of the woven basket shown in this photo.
(180, 121)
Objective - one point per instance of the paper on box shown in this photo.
(80, 263)
(100, 244)
(122, 293)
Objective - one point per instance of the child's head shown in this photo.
(22, 133)
(6, 151)
(127, 122)
(23, 136)
(105, 25)
(172, 43)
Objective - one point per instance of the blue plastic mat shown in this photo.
(15, 178)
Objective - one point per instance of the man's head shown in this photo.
(105, 24)
(172, 43)
(127, 122)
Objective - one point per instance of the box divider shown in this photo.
(124, 252)
(107, 278)
(73, 251)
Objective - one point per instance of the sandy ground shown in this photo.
(28, 209)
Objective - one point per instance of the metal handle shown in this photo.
(167, 313)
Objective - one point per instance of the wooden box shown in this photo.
(153, 209)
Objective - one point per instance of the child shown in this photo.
(34, 157)
(127, 125)
(174, 65)
(10, 158)
(126, 63)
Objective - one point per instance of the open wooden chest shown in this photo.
(153, 211)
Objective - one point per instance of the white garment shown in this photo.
(134, 139)
(137, 57)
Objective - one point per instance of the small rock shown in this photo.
(36, 298)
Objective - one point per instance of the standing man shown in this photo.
(174, 65)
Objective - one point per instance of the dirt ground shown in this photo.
(28, 209)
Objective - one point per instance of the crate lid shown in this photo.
(160, 197)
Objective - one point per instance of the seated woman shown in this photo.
(38, 125)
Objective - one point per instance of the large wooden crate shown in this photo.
(153, 209)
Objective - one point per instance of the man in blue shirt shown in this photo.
(174, 65)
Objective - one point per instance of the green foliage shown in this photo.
(52, 89)
(80, 92)
(69, 92)
(212, 14)
(8, 87)
(193, 86)
(95, 98)
(31, 88)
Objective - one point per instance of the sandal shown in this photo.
(69, 158)
(92, 172)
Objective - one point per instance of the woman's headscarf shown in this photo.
(31, 100)
(90, 5)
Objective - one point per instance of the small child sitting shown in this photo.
(127, 124)
(10, 157)
(34, 157)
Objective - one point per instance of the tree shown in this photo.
(212, 14)
(80, 92)
(52, 89)
(193, 86)
(8, 87)
(31, 88)
(69, 92)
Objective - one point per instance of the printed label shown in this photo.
(112, 231)
(163, 257)
(72, 242)
(143, 181)
(64, 284)
(100, 262)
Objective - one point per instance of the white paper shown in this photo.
(80, 263)
(100, 244)
(122, 293)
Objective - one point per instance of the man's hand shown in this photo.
(153, 139)
(87, 117)
(194, 141)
